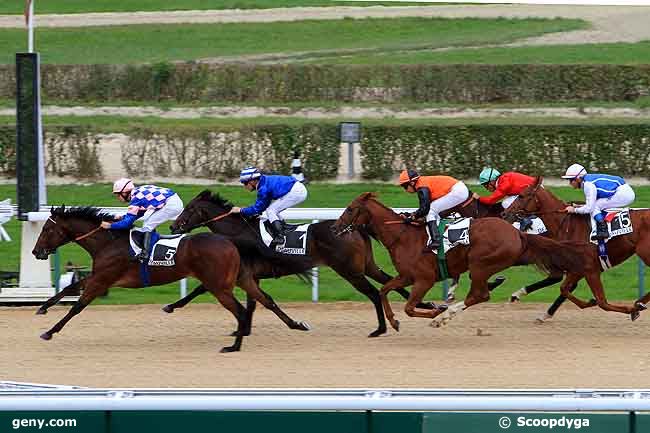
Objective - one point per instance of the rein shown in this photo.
(93, 231)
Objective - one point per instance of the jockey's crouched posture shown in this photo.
(162, 204)
(274, 194)
(436, 194)
(602, 191)
(505, 187)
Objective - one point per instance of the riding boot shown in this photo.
(434, 243)
(601, 230)
(144, 253)
(278, 236)
(525, 223)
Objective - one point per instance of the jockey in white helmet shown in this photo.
(602, 191)
(161, 204)
(274, 194)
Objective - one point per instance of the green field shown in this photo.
(620, 54)
(182, 42)
(80, 6)
(621, 282)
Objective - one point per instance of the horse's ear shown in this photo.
(366, 196)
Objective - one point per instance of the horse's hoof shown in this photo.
(450, 298)
(514, 299)
(302, 326)
(377, 333)
(41, 311)
(229, 349)
(640, 306)
(593, 302)
(500, 279)
(426, 306)
(442, 307)
(168, 309)
(634, 315)
(395, 325)
(543, 318)
(243, 334)
(46, 336)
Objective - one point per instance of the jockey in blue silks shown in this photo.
(156, 204)
(602, 191)
(274, 194)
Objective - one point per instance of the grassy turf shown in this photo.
(619, 53)
(621, 282)
(182, 42)
(81, 6)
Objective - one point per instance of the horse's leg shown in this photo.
(374, 272)
(91, 291)
(567, 288)
(251, 305)
(362, 285)
(527, 290)
(451, 294)
(253, 290)
(67, 291)
(554, 306)
(596, 286)
(186, 300)
(644, 254)
(228, 300)
(398, 281)
(479, 292)
(420, 288)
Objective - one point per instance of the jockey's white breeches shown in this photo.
(507, 202)
(624, 196)
(456, 196)
(297, 194)
(169, 212)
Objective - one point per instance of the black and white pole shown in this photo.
(296, 167)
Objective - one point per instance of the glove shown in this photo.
(408, 217)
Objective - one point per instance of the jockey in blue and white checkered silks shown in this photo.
(156, 204)
(602, 191)
(274, 194)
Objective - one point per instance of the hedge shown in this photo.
(537, 149)
(458, 150)
(190, 82)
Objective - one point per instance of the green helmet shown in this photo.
(488, 175)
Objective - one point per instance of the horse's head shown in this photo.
(67, 225)
(527, 203)
(355, 215)
(199, 211)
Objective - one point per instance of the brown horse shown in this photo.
(473, 208)
(212, 259)
(563, 226)
(350, 257)
(494, 246)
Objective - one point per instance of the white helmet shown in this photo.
(574, 171)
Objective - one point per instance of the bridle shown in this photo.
(202, 224)
(352, 225)
(73, 238)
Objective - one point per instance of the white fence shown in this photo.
(567, 400)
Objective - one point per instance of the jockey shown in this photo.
(161, 204)
(602, 191)
(436, 194)
(505, 187)
(274, 194)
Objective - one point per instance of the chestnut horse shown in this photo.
(351, 257)
(562, 226)
(473, 208)
(494, 246)
(212, 259)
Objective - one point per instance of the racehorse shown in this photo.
(494, 246)
(474, 208)
(212, 259)
(563, 226)
(351, 257)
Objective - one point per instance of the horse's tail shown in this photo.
(554, 257)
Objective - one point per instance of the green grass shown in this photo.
(619, 53)
(81, 6)
(182, 42)
(621, 282)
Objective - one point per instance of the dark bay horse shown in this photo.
(473, 208)
(494, 246)
(351, 257)
(212, 259)
(563, 226)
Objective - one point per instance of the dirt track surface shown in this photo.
(610, 23)
(140, 346)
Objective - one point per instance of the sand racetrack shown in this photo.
(140, 346)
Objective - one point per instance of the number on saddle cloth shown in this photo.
(162, 249)
(619, 222)
(295, 237)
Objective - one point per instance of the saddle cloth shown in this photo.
(295, 237)
(618, 221)
(162, 249)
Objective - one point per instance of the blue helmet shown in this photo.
(248, 174)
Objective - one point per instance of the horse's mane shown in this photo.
(88, 213)
(215, 198)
